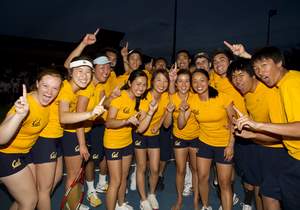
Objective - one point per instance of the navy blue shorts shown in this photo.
(165, 143)
(118, 154)
(247, 161)
(181, 143)
(46, 150)
(211, 152)
(272, 164)
(289, 181)
(13, 163)
(70, 144)
(145, 142)
(96, 140)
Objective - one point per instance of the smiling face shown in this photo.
(81, 76)
(183, 83)
(243, 81)
(268, 71)
(138, 86)
(200, 83)
(47, 89)
(202, 63)
(160, 83)
(221, 63)
(183, 60)
(112, 57)
(102, 72)
(134, 61)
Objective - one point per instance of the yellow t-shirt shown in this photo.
(289, 87)
(121, 80)
(120, 137)
(91, 92)
(66, 94)
(161, 109)
(191, 130)
(213, 119)
(110, 83)
(30, 128)
(222, 84)
(53, 128)
(149, 77)
(261, 103)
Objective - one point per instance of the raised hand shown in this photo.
(21, 105)
(115, 93)
(124, 51)
(134, 119)
(184, 106)
(99, 109)
(170, 107)
(90, 39)
(173, 73)
(238, 50)
(152, 107)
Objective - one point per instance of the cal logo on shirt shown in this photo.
(16, 163)
(126, 110)
(36, 123)
(195, 112)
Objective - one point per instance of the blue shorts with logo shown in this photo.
(46, 150)
(13, 163)
(118, 154)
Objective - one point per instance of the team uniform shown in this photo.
(188, 136)
(214, 133)
(289, 178)
(118, 142)
(70, 144)
(14, 156)
(149, 139)
(94, 133)
(264, 105)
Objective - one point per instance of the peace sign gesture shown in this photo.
(124, 51)
(21, 105)
(90, 39)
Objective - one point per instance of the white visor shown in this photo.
(81, 63)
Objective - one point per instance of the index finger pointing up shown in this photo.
(102, 100)
(228, 44)
(24, 91)
(96, 32)
(238, 111)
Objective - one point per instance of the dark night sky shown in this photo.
(149, 24)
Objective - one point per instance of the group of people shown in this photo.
(225, 114)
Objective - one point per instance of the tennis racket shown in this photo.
(73, 196)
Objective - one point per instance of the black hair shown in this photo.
(159, 71)
(182, 51)
(226, 52)
(133, 75)
(212, 92)
(271, 52)
(135, 52)
(184, 72)
(110, 49)
(82, 57)
(161, 58)
(240, 65)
